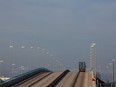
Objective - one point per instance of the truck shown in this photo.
(82, 66)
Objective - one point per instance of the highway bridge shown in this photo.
(46, 78)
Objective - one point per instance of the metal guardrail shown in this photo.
(22, 77)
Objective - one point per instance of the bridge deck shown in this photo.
(71, 79)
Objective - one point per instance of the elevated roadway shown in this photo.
(58, 79)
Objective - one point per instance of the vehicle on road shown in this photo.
(82, 66)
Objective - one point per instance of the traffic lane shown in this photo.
(91, 83)
(86, 80)
(31, 81)
(80, 80)
(68, 80)
(45, 82)
(16, 85)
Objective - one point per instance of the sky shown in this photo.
(66, 28)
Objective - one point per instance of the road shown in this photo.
(71, 79)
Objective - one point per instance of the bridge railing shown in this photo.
(21, 77)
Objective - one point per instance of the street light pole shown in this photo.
(110, 64)
(22, 56)
(113, 70)
(108, 73)
(22, 68)
(12, 71)
(10, 63)
(0, 67)
(93, 58)
(31, 63)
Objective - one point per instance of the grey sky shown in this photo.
(64, 27)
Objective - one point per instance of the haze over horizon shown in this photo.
(66, 28)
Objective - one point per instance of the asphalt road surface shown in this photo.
(71, 79)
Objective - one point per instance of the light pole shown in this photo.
(22, 68)
(10, 63)
(12, 71)
(48, 53)
(22, 47)
(58, 62)
(38, 47)
(31, 47)
(1, 67)
(113, 69)
(61, 65)
(108, 73)
(110, 65)
(43, 49)
(22, 56)
(93, 58)
(44, 52)
(31, 63)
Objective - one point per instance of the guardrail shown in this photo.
(23, 77)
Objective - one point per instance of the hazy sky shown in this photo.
(66, 28)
